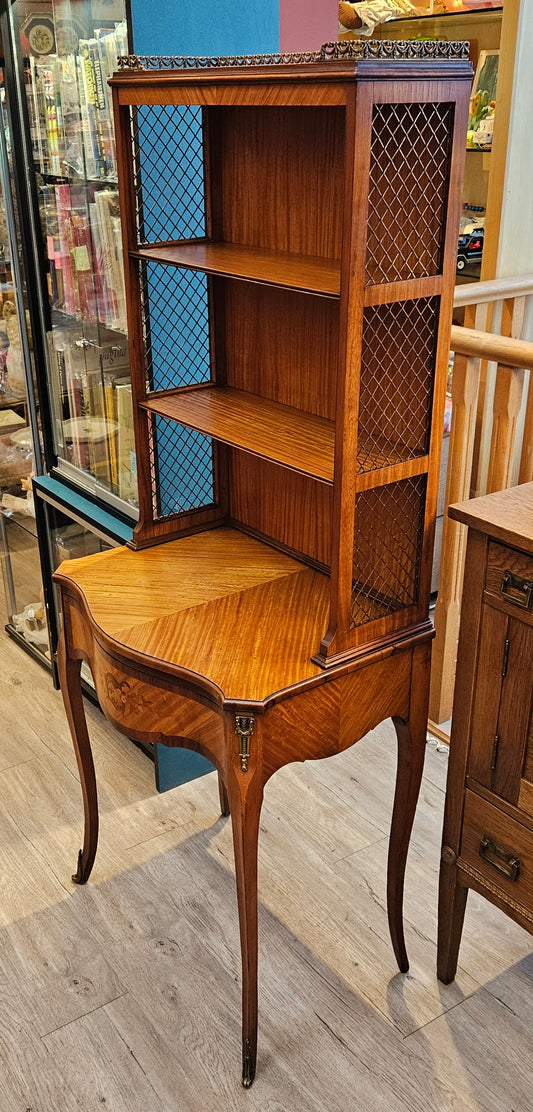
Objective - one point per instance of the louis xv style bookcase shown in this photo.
(289, 305)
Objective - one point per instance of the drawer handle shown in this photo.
(517, 590)
(502, 860)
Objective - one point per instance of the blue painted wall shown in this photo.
(225, 27)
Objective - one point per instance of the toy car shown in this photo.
(470, 245)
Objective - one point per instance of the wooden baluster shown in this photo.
(476, 477)
(447, 611)
(507, 402)
(525, 474)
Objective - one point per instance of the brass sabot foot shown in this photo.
(78, 877)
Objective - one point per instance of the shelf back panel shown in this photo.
(273, 503)
(282, 345)
(281, 176)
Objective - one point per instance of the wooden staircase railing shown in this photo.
(495, 312)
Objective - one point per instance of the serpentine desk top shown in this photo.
(219, 604)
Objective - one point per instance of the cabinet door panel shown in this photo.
(488, 691)
(513, 720)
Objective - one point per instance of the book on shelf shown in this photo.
(126, 458)
(64, 226)
(86, 374)
(110, 241)
(37, 117)
(70, 113)
(84, 247)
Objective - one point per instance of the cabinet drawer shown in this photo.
(510, 577)
(499, 849)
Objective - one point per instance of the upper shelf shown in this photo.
(307, 274)
(298, 440)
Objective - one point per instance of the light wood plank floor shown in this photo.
(125, 994)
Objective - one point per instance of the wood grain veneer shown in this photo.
(277, 201)
(253, 264)
(220, 604)
(281, 345)
(278, 433)
(282, 506)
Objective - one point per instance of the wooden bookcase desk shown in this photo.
(488, 822)
(285, 614)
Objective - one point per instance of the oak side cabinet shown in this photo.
(488, 822)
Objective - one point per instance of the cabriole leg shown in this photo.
(223, 796)
(70, 681)
(411, 735)
(245, 798)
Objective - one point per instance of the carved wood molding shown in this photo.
(331, 51)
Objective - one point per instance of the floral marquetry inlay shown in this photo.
(122, 697)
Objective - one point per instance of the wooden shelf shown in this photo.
(307, 274)
(297, 440)
(290, 437)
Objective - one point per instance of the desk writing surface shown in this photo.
(220, 604)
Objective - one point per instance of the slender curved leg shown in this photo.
(452, 906)
(223, 796)
(411, 737)
(70, 681)
(245, 798)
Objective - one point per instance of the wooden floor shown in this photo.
(125, 994)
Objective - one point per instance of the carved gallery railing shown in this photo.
(489, 449)
(408, 49)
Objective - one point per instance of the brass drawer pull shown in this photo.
(502, 860)
(517, 589)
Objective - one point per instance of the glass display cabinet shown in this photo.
(60, 55)
(24, 612)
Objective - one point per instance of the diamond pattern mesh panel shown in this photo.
(182, 467)
(409, 172)
(389, 524)
(176, 326)
(169, 178)
(397, 369)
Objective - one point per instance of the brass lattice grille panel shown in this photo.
(397, 368)
(168, 166)
(182, 468)
(409, 172)
(174, 307)
(389, 524)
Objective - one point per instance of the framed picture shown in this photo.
(483, 101)
(486, 75)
